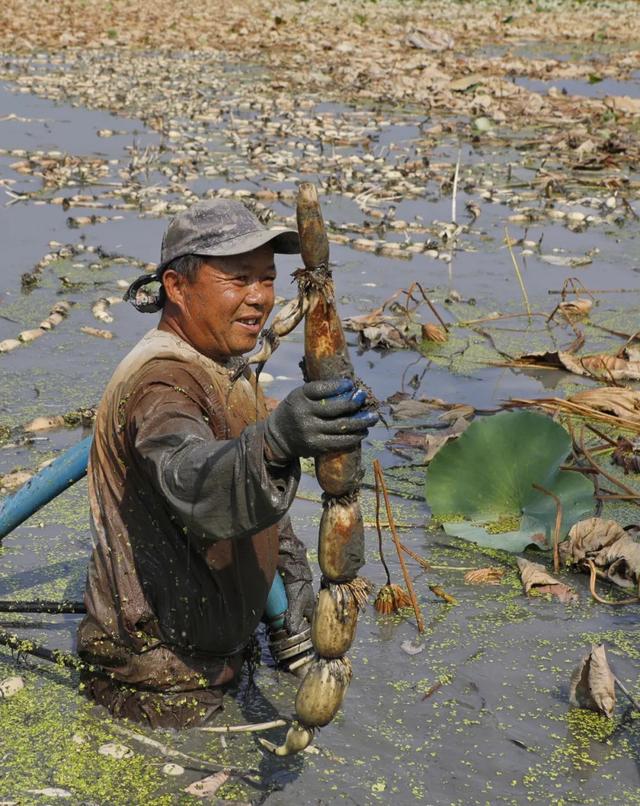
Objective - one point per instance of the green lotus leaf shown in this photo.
(481, 485)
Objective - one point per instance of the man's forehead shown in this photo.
(261, 259)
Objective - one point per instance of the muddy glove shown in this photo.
(293, 565)
(318, 417)
(301, 602)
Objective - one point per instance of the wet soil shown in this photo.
(479, 714)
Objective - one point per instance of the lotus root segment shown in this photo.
(326, 355)
(334, 621)
(341, 539)
(322, 690)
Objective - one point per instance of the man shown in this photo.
(190, 480)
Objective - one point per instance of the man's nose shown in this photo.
(257, 294)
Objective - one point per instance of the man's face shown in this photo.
(227, 305)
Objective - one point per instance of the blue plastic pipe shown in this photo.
(45, 486)
(65, 471)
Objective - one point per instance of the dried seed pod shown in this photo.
(390, 599)
(434, 333)
(321, 692)
(575, 309)
(339, 473)
(335, 618)
(341, 540)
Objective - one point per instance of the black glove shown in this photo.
(296, 575)
(318, 417)
(301, 603)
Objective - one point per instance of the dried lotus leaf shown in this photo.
(593, 683)
(616, 400)
(536, 578)
(590, 536)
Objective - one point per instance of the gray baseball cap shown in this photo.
(220, 227)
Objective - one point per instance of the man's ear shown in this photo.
(174, 286)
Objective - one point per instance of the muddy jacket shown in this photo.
(185, 511)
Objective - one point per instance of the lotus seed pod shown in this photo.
(434, 333)
(334, 622)
(341, 540)
(321, 692)
(339, 473)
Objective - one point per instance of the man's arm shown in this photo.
(218, 489)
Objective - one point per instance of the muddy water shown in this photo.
(476, 710)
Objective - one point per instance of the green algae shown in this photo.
(507, 523)
(45, 743)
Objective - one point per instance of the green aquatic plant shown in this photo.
(488, 475)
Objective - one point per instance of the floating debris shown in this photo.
(593, 683)
(45, 423)
(10, 686)
(536, 579)
(115, 750)
(94, 331)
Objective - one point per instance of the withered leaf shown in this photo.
(593, 683)
(588, 537)
(536, 578)
(599, 365)
(609, 546)
(491, 575)
(616, 400)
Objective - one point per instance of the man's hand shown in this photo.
(318, 417)
(301, 603)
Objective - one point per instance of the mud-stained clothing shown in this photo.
(186, 510)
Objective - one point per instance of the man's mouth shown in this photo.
(251, 324)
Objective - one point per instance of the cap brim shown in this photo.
(284, 242)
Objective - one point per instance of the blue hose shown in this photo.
(65, 471)
(45, 486)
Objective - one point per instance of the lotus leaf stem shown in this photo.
(556, 527)
(592, 589)
(377, 469)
